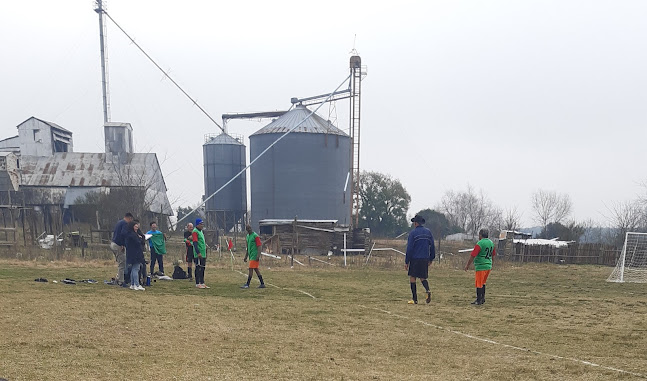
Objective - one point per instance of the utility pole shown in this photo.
(104, 61)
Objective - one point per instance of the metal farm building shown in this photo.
(223, 158)
(305, 175)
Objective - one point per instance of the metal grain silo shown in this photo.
(223, 158)
(304, 174)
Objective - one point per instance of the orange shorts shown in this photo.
(481, 277)
(253, 264)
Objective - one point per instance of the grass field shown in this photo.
(540, 322)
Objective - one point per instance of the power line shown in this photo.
(162, 70)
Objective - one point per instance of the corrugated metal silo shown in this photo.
(223, 158)
(304, 174)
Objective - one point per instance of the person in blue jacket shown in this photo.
(420, 252)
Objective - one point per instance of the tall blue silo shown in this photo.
(223, 158)
(304, 174)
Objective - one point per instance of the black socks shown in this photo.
(260, 278)
(425, 284)
(414, 292)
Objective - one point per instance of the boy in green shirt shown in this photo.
(253, 250)
(199, 253)
(482, 257)
(157, 244)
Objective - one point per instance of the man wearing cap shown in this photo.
(420, 252)
(199, 253)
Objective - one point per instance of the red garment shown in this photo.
(230, 245)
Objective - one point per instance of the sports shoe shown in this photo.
(428, 300)
(140, 288)
(132, 287)
(412, 302)
(244, 286)
(262, 285)
(201, 286)
(205, 286)
(197, 285)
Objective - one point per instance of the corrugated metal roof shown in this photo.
(9, 139)
(78, 169)
(53, 125)
(313, 125)
(224, 139)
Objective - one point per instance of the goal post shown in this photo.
(632, 263)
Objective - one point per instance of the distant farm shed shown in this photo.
(48, 179)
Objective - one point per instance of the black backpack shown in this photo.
(179, 273)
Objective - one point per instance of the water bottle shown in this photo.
(148, 280)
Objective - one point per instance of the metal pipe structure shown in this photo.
(355, 112)
(104, 71)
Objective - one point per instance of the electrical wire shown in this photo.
(262, 153)
(163, 72)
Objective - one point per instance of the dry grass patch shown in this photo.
(357, 327)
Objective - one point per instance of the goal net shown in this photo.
(632, 264)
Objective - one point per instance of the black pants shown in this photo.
(156, 257)
(199, 269)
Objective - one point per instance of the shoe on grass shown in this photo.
(140, 288)
(428, 300)
(262, 285)
(132, 287)
(201, 286)
(412, 302)
(244, 286)
(205, 286)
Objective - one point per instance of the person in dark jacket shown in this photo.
(134, 255)
(118, 248)
(420, 252)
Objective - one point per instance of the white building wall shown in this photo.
(35, 138)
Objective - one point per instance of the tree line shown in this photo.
(385, 203)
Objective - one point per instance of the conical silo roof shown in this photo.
(223, 139)
(313, 125)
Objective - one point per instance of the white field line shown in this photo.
(280, 288)
(485, 340)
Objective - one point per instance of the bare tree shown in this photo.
(550, 207)
(511, 219)
(470, 210)
(626, 217)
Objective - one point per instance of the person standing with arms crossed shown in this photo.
(118, 247)
(421, 251)
(188, 241)
(134, 254)
(157, 245)
(482, 257)
(253, 249)
(199, 253)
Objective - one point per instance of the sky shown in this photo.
(508, 97)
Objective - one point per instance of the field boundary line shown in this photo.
(489, 341)
(280, 288)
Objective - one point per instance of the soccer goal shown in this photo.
(632, 264)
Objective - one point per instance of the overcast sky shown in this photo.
(507, 96)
